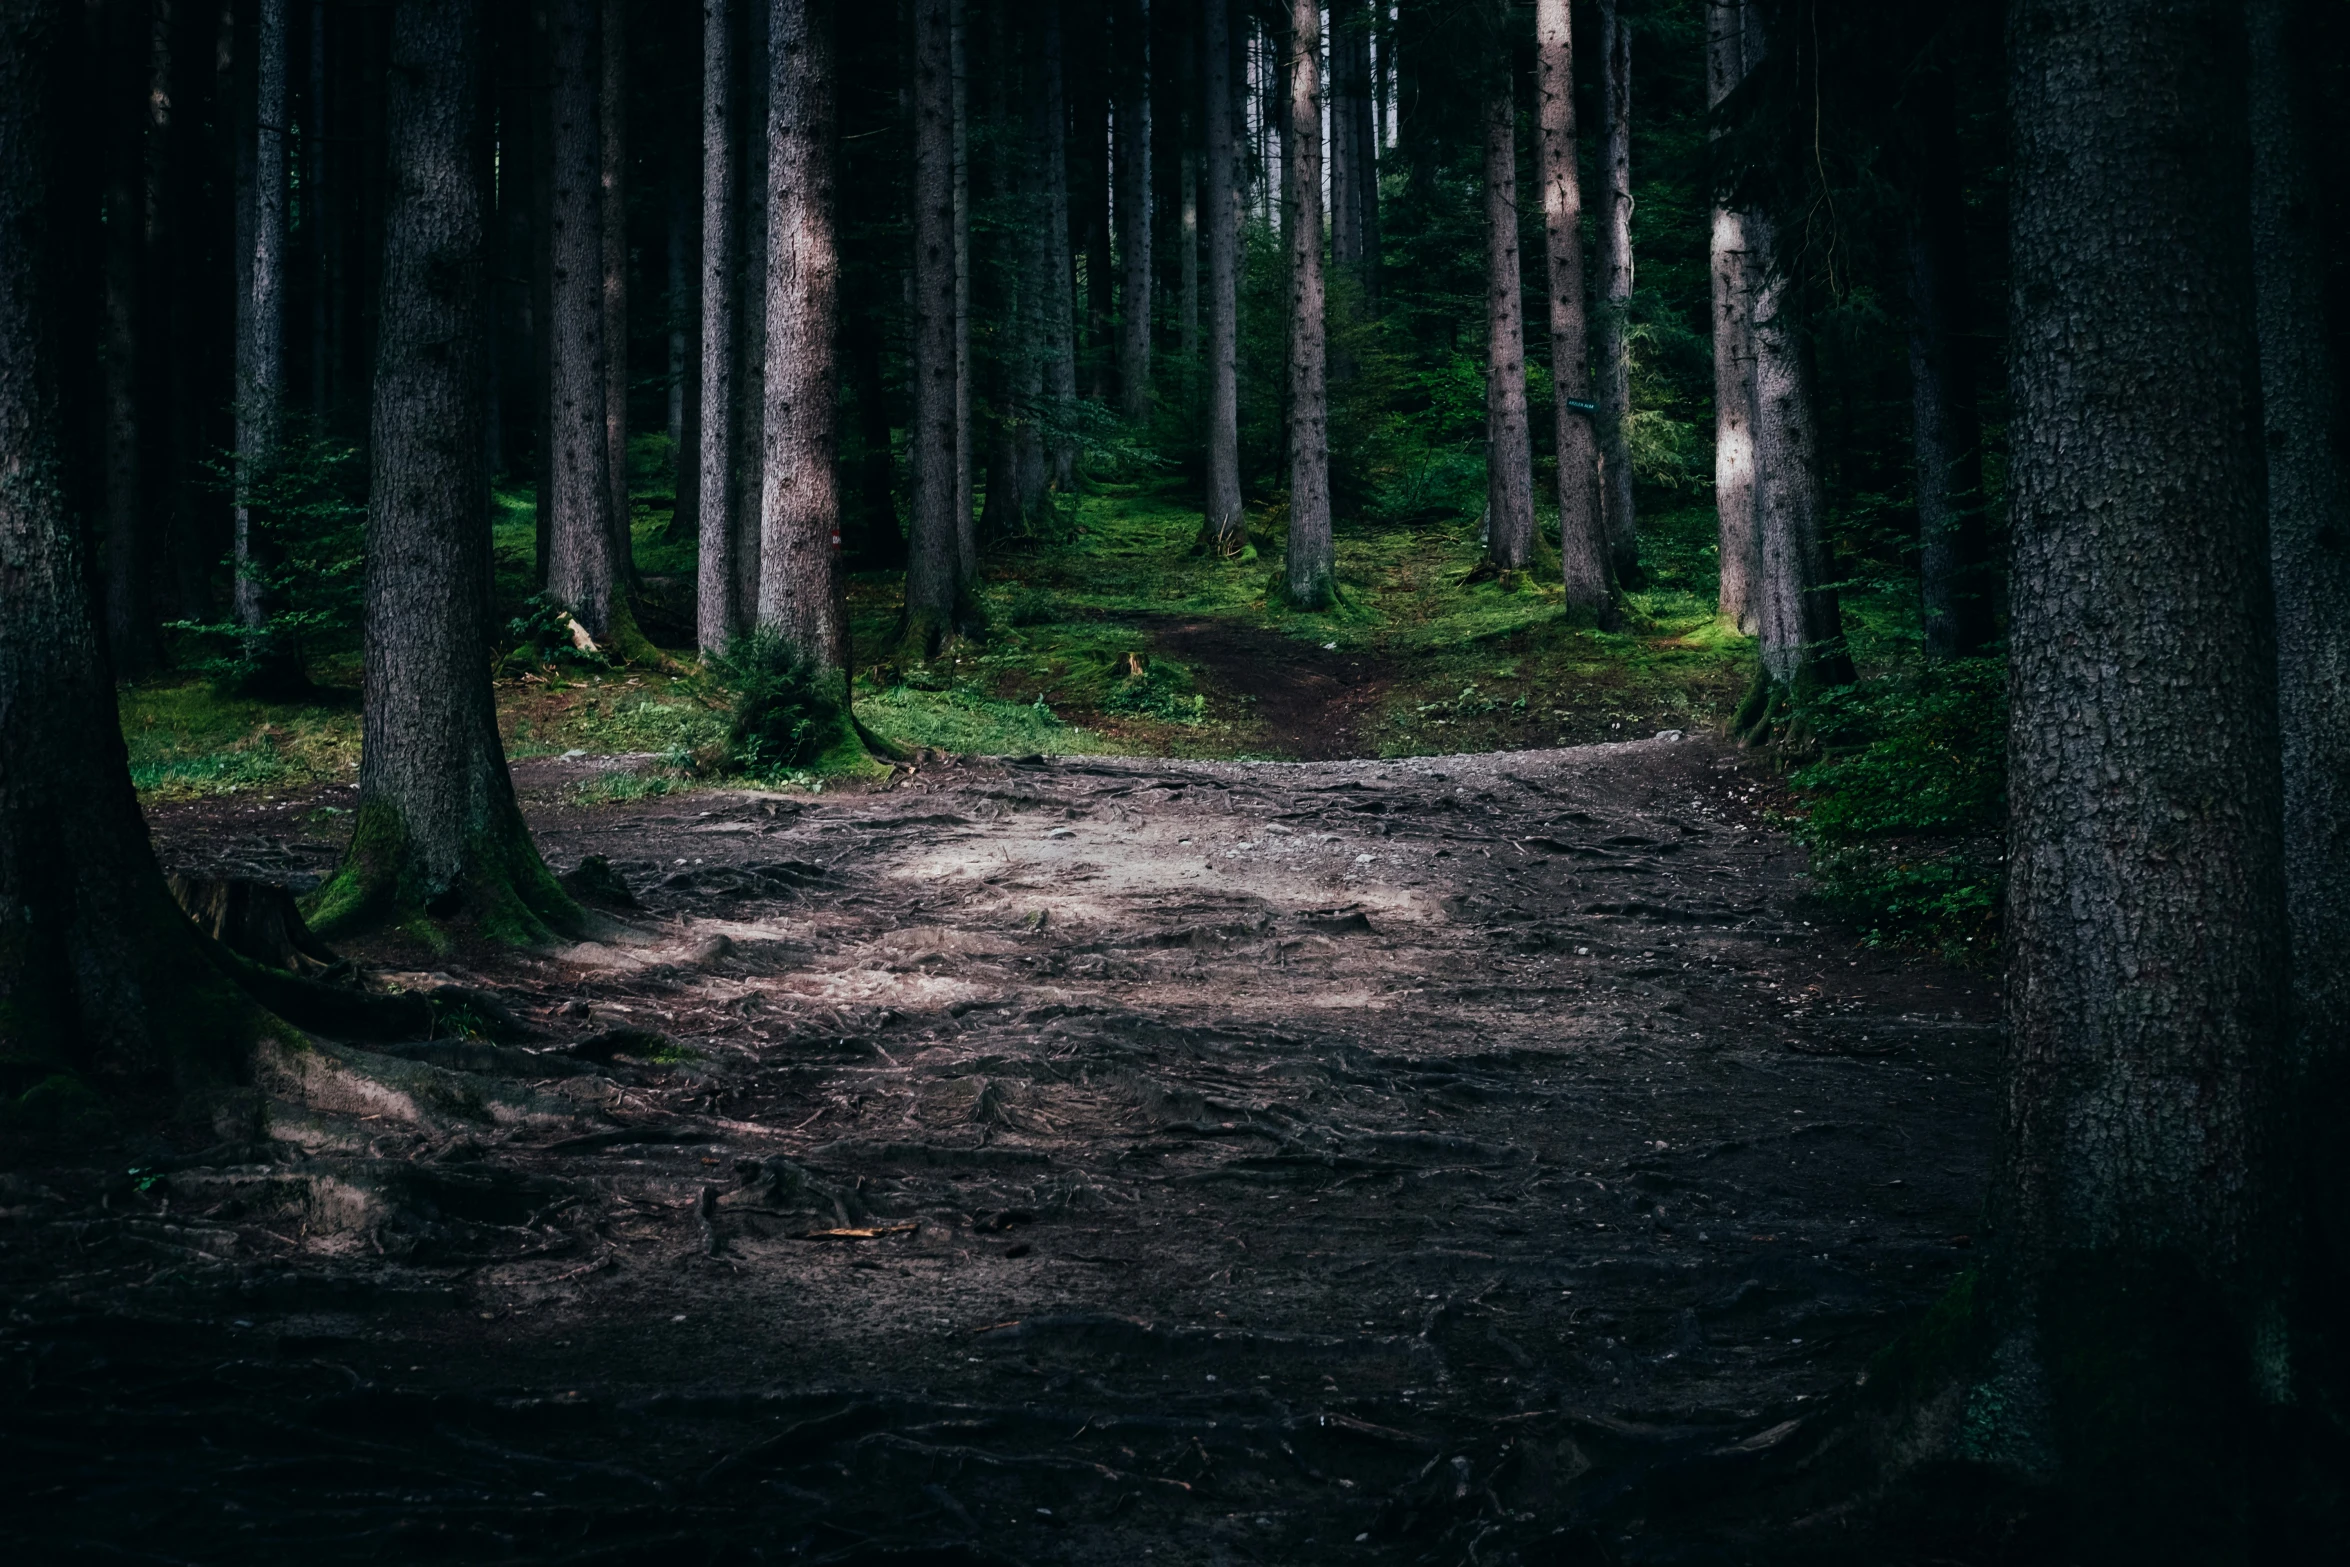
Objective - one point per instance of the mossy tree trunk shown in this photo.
(1509, 456)
(437, 835)
(2134, 1283)
(1223, 526)
(1311, 579)
(1583, 555)
(799, 554)
(104, 985)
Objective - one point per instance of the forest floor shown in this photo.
(1448, 1159)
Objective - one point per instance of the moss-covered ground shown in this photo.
(1116, 636)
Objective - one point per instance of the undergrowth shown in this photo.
(1902, 815)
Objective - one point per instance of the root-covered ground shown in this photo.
(1105, 1161)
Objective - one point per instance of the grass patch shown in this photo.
(187, 740)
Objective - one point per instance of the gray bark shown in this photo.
(714, 618)
(612, 133)
(1060, 300)
(262, 389)
(1509, 457)
(583, 573)
(1311, 579)
(1614, 349)
(437, 831)
(799, 557)
(1800, 622)
(1132, 198)
(122, 81)
(966, 457)
(2134, 1268)
(100, 975)
(746, 448)
(1740, 547)
(2308, 522)
(934, 579)
(1224, 524)
(1583, 554)
(1954, 549)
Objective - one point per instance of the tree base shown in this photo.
(505, 893)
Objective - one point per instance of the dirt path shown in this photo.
(1315, 703)
(1346, 1162)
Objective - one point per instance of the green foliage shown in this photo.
(189, 738)
(1161, 690)
(1902, 817)
(308, 530)
(541, 634)
(784, 713)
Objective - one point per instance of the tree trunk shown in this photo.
(2133, 1284)
(1187, 264)
(1132, 195)
(1613, 424)
(1801, 625)
(746, 441)
(1740, 551)
(1583, 553)
(1509, 458)
(1090, 176)
(612, 136)
(314, 204)
(934, 579)
(583, 568)
(102, 980)
(1224, 528)
(437, 834)
(122, 78)
(1311, 579)
(714, 620)
(685, 320)
(261, 396)
(799, 555)
(1354, 144)
(1954, 546)
(966, 516)
(2302, 385)
(542, 282)
(1060, 303)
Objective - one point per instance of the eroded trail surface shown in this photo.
(1462, 1160)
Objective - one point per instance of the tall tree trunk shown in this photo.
(584, 571)
(934, 578)
(1311, 579)
(685, 317)
(1090, 176)
(799, 556)
(1615, 274)
(1224, 527)
(1583, 553)
(714, 619)
(261, 396)
(437, 834)
(2133, 1287)
(1509, 457)
(1954, 546)
(314, 203)
(1132, 179)
(1801, 624)
(1349, 79)
(122, 80)
(1060, 303)
(966, 517)
(542, 283)
(1740, 547)
(612, 136)
(101, 976)
(2302, 404)
(747, 449)
(1187, 265)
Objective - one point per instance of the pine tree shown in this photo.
(1311, 582)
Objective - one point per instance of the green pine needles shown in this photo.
(785, 712)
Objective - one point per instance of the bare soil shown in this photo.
(1473, 1159)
